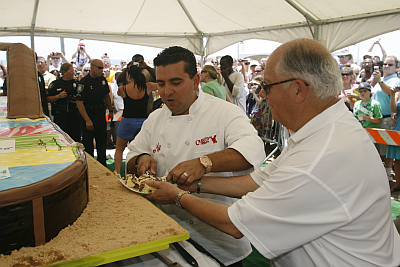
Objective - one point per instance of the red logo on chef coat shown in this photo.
(206, 140)
(158, 147)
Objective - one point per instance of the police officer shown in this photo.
(92, 100)
(61, 94)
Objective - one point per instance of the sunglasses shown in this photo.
(86, 70)
(99, 67)
(123, 62)
(214, 62)
(342, 56)
(346, 74)
(55, 57)
(390, 64)
(267, 87)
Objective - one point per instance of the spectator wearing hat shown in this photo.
(81, 57)
(253, 64)
(344, 57)
(367, 111)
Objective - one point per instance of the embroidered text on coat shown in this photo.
(206, 140)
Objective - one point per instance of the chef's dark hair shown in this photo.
(176, 54)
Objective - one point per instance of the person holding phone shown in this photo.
(381, 92)
(393, 152)
(81, 56)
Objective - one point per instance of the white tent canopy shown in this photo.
(203, 26)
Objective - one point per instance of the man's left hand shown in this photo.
(225, 73)
(165, 194)
(192, 168)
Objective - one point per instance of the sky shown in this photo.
(117, 51)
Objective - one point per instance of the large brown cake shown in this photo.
(43, 182)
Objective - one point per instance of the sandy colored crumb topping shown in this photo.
(114, 218)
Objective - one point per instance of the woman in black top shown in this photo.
(136, 95)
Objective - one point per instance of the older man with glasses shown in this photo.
(92, 99)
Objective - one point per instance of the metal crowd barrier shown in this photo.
(275, 134)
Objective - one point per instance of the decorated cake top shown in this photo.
(30, 150)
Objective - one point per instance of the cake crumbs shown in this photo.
(114, 218)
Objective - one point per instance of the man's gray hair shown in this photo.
(314, 66)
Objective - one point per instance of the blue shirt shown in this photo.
(382, 97)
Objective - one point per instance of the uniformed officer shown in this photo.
(61, 94)
(92, 100)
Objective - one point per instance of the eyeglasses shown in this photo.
(99, 67)
(390, 64)
(267, 87)
(346, 74)
(55, 57)
(86, 70)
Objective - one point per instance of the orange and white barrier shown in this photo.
(385, 137)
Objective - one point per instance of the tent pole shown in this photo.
(32, 33)
(62, 45)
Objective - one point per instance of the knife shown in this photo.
(166, 260)
(189, 258)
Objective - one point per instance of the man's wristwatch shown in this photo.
(206, 162)
(381, 81)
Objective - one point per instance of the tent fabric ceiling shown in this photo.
(203, 26)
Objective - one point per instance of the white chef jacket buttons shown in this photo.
(187, 143)
(168, 145)
(189, 119)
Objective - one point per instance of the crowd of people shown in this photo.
(185, 119)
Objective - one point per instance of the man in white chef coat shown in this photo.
(311, 206)
(195, 134)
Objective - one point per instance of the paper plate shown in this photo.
(136, 190)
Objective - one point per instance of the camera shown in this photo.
(376, 68)
(397, 88)
(81, 47)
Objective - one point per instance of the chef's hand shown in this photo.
(187, 172)
(145, 163)
(165, 194)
